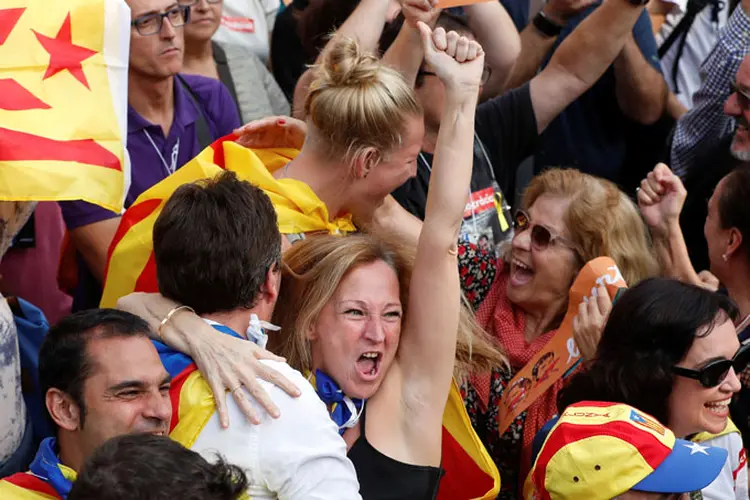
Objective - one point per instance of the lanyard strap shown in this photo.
(170, 169)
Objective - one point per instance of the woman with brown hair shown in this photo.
(568, 218)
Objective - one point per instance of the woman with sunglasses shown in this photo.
(670, 349)
(568, 219)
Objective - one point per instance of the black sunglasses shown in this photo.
(715, 372)
(743, 96)
(541, 237)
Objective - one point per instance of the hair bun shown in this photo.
(344, 64)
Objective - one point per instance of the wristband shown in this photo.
(169, 316)
(547, 27)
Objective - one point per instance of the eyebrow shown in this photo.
(150, 12)
(137, 384)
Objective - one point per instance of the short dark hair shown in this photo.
(149, 467)
(64, 362)
(214, 243)
(650, 329)
(734, 209)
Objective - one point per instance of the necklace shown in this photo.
(170, 169)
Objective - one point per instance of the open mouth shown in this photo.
(520, 273)
(368, 365)
(719, 408)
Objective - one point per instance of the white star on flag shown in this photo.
(696, 448)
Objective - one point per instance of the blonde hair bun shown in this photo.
(345, 64)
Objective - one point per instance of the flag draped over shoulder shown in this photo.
(132, 266)
(63, 100)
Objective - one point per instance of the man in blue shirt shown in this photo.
(171, 118)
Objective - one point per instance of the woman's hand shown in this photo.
(272, 132)
(660, 199)
(589, 322)
(708, 281)
(228, 363)
(457, 61)
(425, 11)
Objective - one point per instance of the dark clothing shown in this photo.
(383, 478)
(287, 55)
(591, 134)
(506, 134)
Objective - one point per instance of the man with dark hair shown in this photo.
(147, 467)
(101, 377)
(217, 249)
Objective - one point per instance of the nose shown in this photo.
(522, 241)
(731, 382)
(732, 106)
(168, 31)
(201, 6)
(374, 330)
(158, 407)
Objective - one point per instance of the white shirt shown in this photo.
(300, 455)
(700, 41)
(248, 23)
(731, 483)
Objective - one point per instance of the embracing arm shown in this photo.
(225, 362)
(601, 36)
(427, 349)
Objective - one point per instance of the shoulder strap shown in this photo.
(201, 125)
(694, 7)
(225, 76)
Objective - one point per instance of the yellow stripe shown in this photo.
(10, 491)
(705, 436)
(457, 423)
(197, 405)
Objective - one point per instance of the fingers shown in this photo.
(233, 383)
(440, 39)
(220, 397)
(649, 195)
(427, 35)
(474, 51)
(462, 49)
(452, 38)
(603, 301)
(260, 396)
(270, 375)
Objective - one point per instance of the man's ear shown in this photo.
(273, 283)
(63, 410)
(735, 241)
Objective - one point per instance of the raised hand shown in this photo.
(660, 198)
(272, 132)
(414, 11)
(456, 60)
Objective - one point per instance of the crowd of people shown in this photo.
(487, 251)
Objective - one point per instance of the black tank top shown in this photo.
(383, 478)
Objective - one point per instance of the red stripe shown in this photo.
(33, 483)
(130, 218)
(463, 477)
(566, 434)
(15, 97)
(147, 281)
(20, 146)
(218, 148)
(174, 393)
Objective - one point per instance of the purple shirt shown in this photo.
(147, 168)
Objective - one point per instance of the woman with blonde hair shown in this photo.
(373, 340)
(568, 218)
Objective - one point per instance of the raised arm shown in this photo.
(495, 31)
(365, 25)
(428, 344)
(225, 362)
(660, 199)
(601, 37)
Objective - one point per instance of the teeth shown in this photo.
(370, 355)
(521, 264)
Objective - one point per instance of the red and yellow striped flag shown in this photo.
(63, 100)
(132, 266)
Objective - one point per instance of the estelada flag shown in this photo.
(131, 266)
(63, 100)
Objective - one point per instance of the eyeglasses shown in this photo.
(541, 237)
(715, 372)
(151, 24)
(486, 74)
(743, 96)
